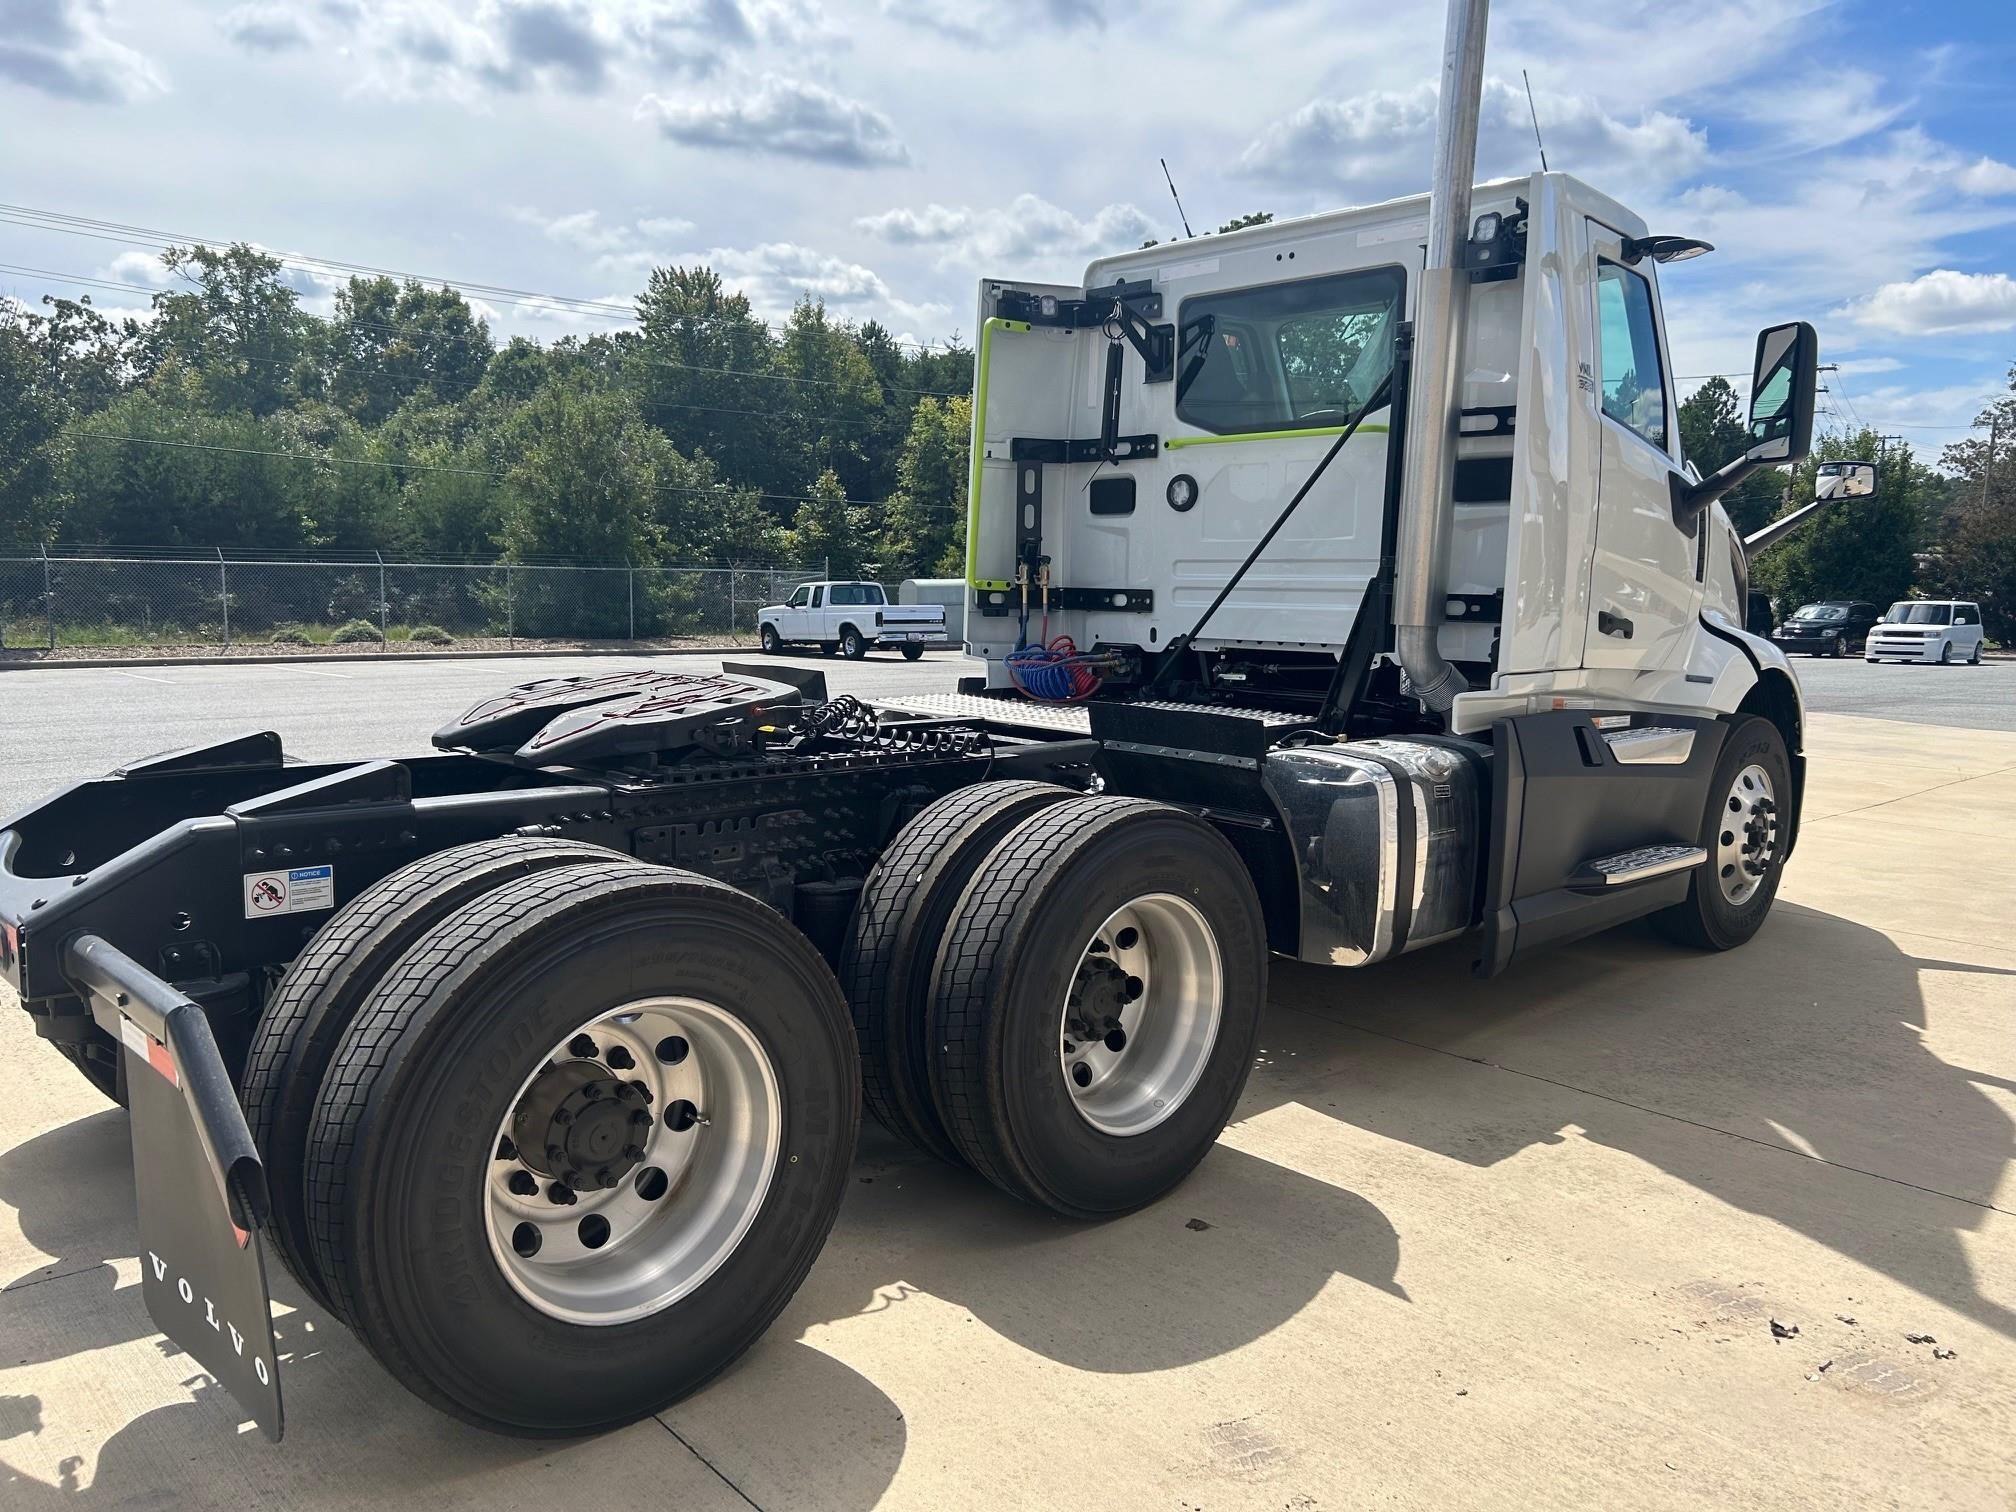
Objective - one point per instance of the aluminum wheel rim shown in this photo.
(1747, 842)
(715, 1130)
(1141, 1014)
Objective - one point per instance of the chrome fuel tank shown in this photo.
(1387, 837)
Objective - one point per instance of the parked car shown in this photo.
(1927, 630)
(1833, 627)
(850, 618)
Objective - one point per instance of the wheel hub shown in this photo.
(582, 1125)
(1747, 843)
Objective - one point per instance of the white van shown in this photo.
(1927, 630)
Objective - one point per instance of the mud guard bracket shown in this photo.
(199, 1182)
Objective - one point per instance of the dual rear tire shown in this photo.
(1064, 995)
(576, 1137)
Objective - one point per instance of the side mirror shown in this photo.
(1783, 384)
(1844, 480)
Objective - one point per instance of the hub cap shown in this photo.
(1141, 1014)
(1747, 843)
(633, 1160)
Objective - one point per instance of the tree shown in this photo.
(828, 530)
(239, 329)
(584, 476)
(388, 342)
(1976, 558)
(830, 406)
(699, 366)
(925, 531)
(1712, 433)
(1858, 549)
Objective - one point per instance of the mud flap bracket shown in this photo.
(199, 1182)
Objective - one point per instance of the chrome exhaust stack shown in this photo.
(1428, 478)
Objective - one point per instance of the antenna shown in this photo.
(1187, 232)
(1530, 110)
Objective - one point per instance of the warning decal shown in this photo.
(301, 889)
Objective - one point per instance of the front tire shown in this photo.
(1945, 653)
(1095, 1004)
(771, 641)
(1744, 832)
(439, 1139)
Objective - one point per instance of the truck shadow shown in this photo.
(1813, 1040)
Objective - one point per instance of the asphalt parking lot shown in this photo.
(1483, 1244)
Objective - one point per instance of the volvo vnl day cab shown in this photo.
(1342, 588)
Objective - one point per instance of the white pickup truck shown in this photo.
(849, 618)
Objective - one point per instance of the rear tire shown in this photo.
(1974, 659)
(852, 645)
(885, 966)
(405, 1187)
(1725, 904)
(1032, 957)
(912, 652)
(331, 981)
(97, 1061)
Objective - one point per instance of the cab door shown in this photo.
(1645, 573)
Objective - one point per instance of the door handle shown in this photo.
(1609, 622)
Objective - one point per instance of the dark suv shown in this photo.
(1836, 627)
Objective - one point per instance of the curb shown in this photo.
(374, 657)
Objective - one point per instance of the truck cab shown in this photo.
(850, 618)
(1119, 497)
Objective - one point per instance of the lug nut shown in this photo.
(521, 1183)
(582, 1046)
(642, 1090)
(619, 1059)
(593, 1091)
(560, 1194)
(562, 1117)
(633, 1152)
(605, 1178)
(556, 1153)
(640, 1119)
(505, 1149)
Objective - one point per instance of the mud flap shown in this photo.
(200, 1185)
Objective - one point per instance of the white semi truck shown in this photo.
(1343, 589)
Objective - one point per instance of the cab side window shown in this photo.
(1634, 383)
(818, 597)
(798, 597)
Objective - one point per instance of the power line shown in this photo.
(126, 234)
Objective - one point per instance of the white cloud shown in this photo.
(1376, 145)
(63, 48)
(786, 117)
(1939, 301)
(629, 249)
(1987, 177)
(1823, 108)
(775, 275)
(1027, 227)
(991, 20)
(1860, 366)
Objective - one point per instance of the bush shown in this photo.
(292, 636)
(355, 631)
(432, 635)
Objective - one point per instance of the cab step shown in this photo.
(1638, 865)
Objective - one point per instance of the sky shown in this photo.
(1854, 163)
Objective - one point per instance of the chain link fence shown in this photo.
(61, 601)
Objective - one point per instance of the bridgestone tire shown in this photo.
(403, 1129)
(307, 1015)
(1003, 974)
(1706, 920)
(885, 965)
(912, 653)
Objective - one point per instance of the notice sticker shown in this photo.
(301, 889)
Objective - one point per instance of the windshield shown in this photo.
(1822, 612)
(1920, 614)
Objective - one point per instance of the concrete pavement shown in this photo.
(1508, 1244)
